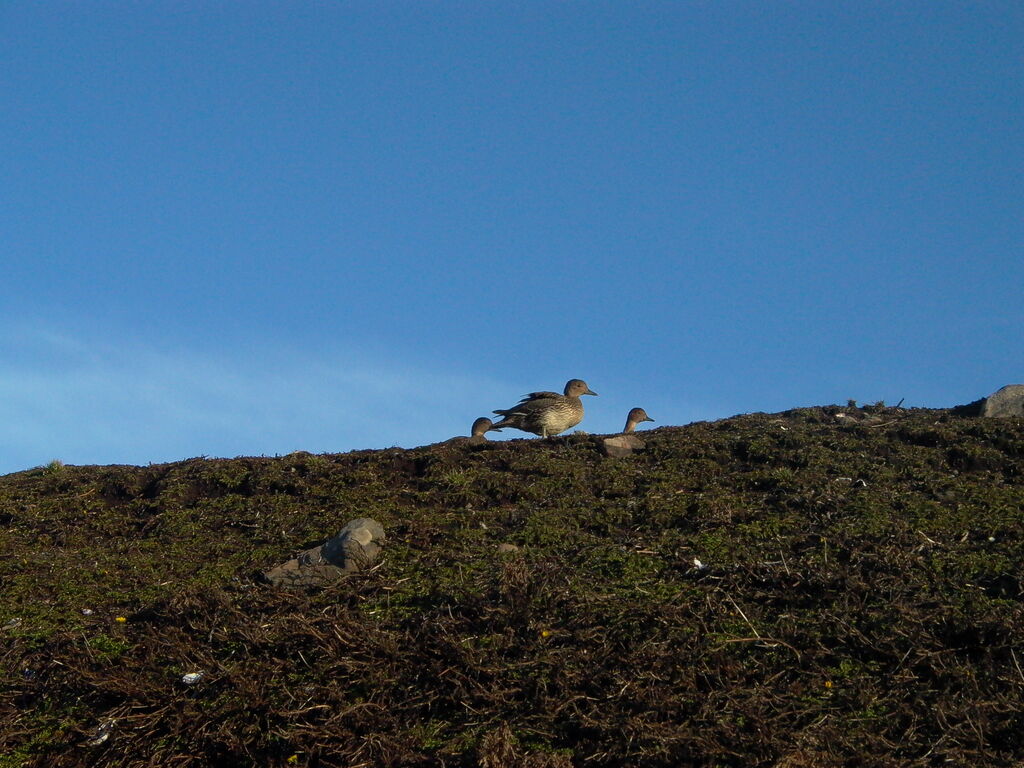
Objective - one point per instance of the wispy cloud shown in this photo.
(88, 402)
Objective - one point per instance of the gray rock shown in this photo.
(621, 445)
(357, 546)
(1008, 401)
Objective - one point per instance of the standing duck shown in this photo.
(547, 413)
(634, 417)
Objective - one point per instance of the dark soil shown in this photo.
(857, 603)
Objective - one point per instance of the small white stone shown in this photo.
(192, 678)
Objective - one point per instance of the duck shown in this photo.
(477, 434)
(547, 413)
(481, 427)
(634, 417)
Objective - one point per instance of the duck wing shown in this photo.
(540, 396)
(532, 402)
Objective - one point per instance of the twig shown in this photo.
(784, 564)
(1016, 664)
(741, 613)
(765, 640)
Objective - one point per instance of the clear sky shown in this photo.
(251, 228)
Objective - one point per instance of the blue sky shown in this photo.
(252, 228)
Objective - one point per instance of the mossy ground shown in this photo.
(859, 603)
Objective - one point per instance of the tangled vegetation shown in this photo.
(822, 587)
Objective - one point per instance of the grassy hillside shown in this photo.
(859, 603)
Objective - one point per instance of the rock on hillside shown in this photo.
(1008, 401)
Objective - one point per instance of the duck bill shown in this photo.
(590, 392)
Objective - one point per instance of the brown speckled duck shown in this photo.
(547, 413)
(634, 417)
